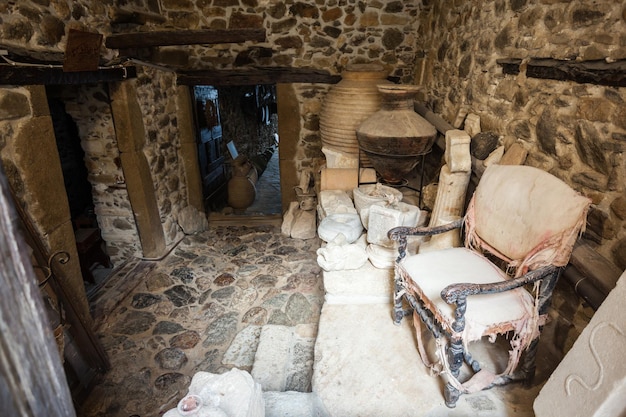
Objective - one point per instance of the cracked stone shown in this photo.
(185, 340)
(171, 359)
(167, 327)
(221, 330)
(184, 274)
(143, 300)
(180, 295)
(134, 322)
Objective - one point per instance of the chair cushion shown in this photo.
(428, 273)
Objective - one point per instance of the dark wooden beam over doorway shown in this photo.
(48, 75)
(183, 37)
(256, 76)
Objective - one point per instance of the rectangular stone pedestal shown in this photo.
(367, 366)
(364, 285)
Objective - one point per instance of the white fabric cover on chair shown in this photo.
(525, 216)
(486, 314)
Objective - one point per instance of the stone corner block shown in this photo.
(457, 155)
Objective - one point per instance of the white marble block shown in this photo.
(591, 379)
(472, 124)
(339, 255)
(370, 194)
(337, 159)
(457, 155)
(334, 202)
(382, 219)
(347, 224)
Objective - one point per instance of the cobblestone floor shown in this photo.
(180, 315)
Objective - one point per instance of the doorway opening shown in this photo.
(237, 138)
(95, 263)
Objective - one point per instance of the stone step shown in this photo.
(367, 366)
(293, 404)
(242, 349)
(284, 358)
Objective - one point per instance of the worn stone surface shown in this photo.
(164, 331)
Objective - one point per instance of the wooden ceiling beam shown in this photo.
(45, 75)
(256, 76)
(183, 37)
(599, 72)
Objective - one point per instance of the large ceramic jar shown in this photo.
(241, 193)
(347, 104)
(395, 137)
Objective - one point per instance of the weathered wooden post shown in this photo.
(32, 380)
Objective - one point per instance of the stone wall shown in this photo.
(328, 36)
(89, 106)
(157, 99)
(575, 131)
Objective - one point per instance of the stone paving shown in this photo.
(182, 314)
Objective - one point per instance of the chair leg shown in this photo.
(451, 395)
(529, 363)
(398, 311)
(456, 355)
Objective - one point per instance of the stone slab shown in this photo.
(591, 379)
(367, 366)
(293, 404)
(272, 356)
(366, 284)
(243, 348)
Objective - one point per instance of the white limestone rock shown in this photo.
(233, 394)
(242, 349)
(334, 202)
(494, 157)
(192, 220)
(381, 257)
(348, 224)
(304, 224)
(457, 155)
(472, 124)
(370, 194)
(340, 255)
(337, 159)
(382, 219)
(288, 219)
(293, 404)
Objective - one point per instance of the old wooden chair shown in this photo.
(520, 218)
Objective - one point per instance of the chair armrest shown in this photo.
(399, 234)
(453, 293)
(457, 293)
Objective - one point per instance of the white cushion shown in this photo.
(431, 272)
